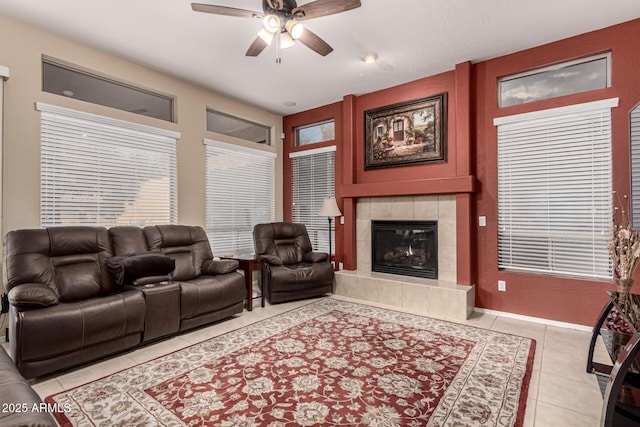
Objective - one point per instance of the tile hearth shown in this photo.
(427, 296)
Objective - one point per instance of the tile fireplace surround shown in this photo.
(441, 297)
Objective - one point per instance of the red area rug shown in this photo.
(329, 363)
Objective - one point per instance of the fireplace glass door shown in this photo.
(408, 248)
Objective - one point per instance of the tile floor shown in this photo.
(561, 393)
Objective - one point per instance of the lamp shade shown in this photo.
(265, 35)
(330, 207)
(286, 41)
(294, 29)
(271, 23)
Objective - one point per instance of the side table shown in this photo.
(619, 328)
(249, 263)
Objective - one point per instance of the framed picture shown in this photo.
(406, 133)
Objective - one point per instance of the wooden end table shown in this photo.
(249, 263)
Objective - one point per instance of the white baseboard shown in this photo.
(534, 319)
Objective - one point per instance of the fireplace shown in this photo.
(408, 248)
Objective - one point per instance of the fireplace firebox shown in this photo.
(408, 248)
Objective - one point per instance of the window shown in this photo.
(312, 180)
(316, 132)
(634, 124)
(100, 171)
(238, 128)
(240, 194)
(398, 130)
(558, 80)
(554, 190)
(67, 80)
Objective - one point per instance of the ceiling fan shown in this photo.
(280, 18)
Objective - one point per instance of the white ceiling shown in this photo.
(413, 39)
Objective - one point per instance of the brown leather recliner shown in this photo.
(65, 309)
(19, 402)
(293, 270)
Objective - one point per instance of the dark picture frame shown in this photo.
(406, 133)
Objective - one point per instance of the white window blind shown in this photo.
(240, 194)
(101, 171)
(313, 179)
(634, 120)
(554, 190)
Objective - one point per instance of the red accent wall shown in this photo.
(470, 169)
(557, 298)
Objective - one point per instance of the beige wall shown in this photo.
(21, 49)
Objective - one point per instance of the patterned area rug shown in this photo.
(328, 363)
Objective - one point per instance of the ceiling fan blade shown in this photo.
(319, 8)
(226, 11)
(256, 47)
(315, 43)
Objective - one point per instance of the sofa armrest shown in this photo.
(32, 295)
(315, 256)
(272, 259)
(219, 266)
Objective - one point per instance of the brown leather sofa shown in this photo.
(67, 308)
(293, 270)
(21, 405)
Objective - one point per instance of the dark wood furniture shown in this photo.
(619, 328)
(249, 263)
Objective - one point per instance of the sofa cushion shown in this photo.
(187, 245)
(288, 251)
(126, 269)
(71, 327)
(127, 240)
(77, 277)
(207, 294)
(287, 278)
(78, 240)
(26, 258)
(76, 256)
(286, 240)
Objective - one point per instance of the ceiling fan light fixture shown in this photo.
(295, 29)
(286, 41)
(271, 23)
(266, 36)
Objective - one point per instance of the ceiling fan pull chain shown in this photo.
(278, 59)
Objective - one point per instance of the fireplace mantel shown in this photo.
(450, 185)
